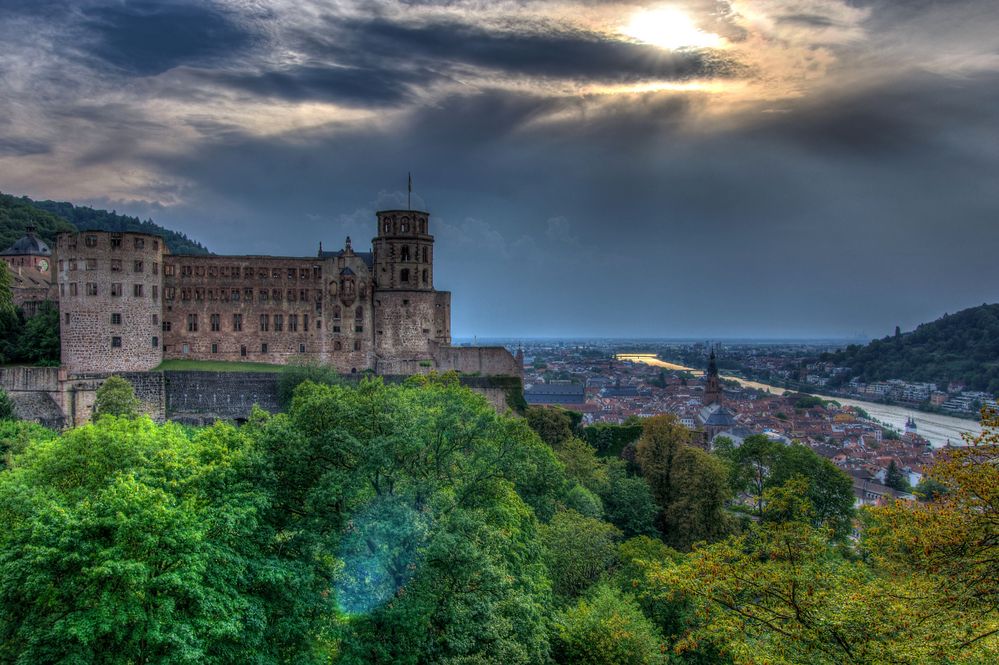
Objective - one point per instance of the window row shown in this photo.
(117, 289)
(138, 265)
(407, 254)
(265, 348)
(116, 342)
(199, 294)
(267, 322)
(248, 272)
(117, 241)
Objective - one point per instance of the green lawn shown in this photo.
(215, 366)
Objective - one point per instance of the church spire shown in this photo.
(712, 388)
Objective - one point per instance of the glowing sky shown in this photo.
(700, 167)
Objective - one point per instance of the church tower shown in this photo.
(712, 387)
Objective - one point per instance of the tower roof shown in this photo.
(29, 244)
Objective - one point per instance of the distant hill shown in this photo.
(50, 217)
(957, 347)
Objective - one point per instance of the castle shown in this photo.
(126, 305)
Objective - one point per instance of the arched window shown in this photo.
(405, 253)
(359, 313)
(404, 275)
(388, 227)
(425, 255)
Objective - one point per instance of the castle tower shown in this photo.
(109, 301)
(411, 318)
(712, 388)
(404, 251)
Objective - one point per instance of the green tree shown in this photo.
(116, 397)
(6, 294)
(628, 503)
(607, 627)
(6, 406)
(39, 339)
(16, 436)
(578, 550)
(552, 424)
(297, 373)
(895, 479)
(689, 485)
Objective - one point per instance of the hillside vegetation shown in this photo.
(411, 524)
(960, 347)
(51, 217)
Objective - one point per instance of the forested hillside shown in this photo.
(960, 347)
(413, 525)
(50, 217)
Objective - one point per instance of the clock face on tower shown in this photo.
(43, 265)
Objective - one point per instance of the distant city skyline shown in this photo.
(699, 169)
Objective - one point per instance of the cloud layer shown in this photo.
(827, 170)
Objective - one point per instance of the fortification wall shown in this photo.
(206, 396)
(482, 360)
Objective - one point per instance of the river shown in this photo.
(938, 429)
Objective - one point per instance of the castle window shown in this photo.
(293, 323)
(263, 295)
(235, 295)
(248, 295)
(237, 322)
(167, 326)
(156, 268)
(424, 276)
(276, 295)
(319, 324)
(291, 273)
(185, 349)
(115, 265)
(405, 301)
(192, 323)
(358, 329)
(215, 348)
(199, 293)
(137, 267)
(263, 348)
(216, 323)
(72, 288)
(115, 241)
(156, 244)
(140, 243)
(156, 342)
(211, 294)
(213, 271)
(224, 295)
(116, 342)
(187, 271)
(336, 329)
(336, 311)
(72, 264)
(303, 295)
(426, 331)
(303, 273)
(357, 345)
(425, 255)
(404, 275)
(156, 319)
(199, 271)
(116, 319)
(405, 227)
(61, 265)
(169, 270)
(276, 273)
(264, 322)
(91, 288)
(405, 253)
(169, 292)
(278, 322)
(91, 264)
(156, 291)
(387, 227)
(67, 318)
(242, 351)
(90, 241)
(291, 295)
(359, 313)
(337, 346)
(317, 272)
(301, 348)
(305, 322)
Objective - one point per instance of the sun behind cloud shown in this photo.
(669, 28)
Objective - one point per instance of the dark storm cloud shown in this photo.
(145, 38)
(13, 145)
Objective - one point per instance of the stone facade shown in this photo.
(126, 305)
(110, 304)
(29, 261)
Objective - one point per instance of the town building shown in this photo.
(29, 261)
